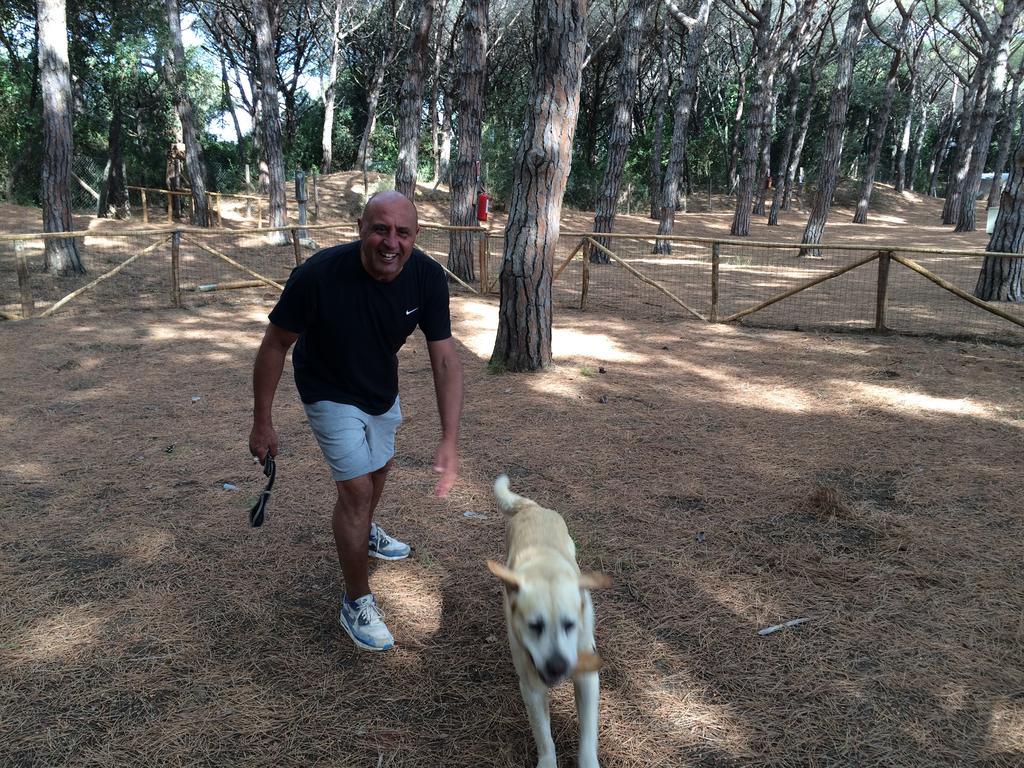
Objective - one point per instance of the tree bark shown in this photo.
(900, 182)
(114, 192)
(798, 150)
(658, 123)
(372, 99)
(942, 145)
(411, 100)
(465, 173)
(622, 119)
(964, 145)
(881, 123)
(764, 163)
(833, 150)
(784, 178)
(987, 118)
(681, 123)
(877, 135)
(327, 134)
(1000, 278)
(271, 121)
(194, 161)
(914, 156)
(754, 121)
(444, 158)
(523, 341)
(1005, 140)
(61, 256)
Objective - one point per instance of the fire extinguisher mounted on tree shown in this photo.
(483, 200)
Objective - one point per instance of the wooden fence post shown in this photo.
(884, 257)
(585, 288)
(716, 258)
(259, 213)
(170, 207)
(24, 285)
(295, 246)
(248, 192)
(300, 198)
(316, 199)
(482, 248)
(176, 268)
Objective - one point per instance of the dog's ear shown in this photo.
(594, 580)
(505, 574)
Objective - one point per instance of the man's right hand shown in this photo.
(262, 441)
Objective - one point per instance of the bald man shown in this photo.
(351, 308)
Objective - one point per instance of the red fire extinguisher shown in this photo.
(482, 206)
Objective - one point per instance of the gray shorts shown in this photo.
(353, 442)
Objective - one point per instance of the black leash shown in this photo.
(258, 512)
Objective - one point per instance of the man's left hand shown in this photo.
(447, 465)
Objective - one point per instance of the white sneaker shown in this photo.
(364, 623)
(384, 547)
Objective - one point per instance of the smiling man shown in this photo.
(351, 308)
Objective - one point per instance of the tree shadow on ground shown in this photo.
(726, 478)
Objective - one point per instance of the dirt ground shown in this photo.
(726, 478)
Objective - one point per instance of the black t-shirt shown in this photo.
(352, 326)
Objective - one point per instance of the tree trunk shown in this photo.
(465, 174)
(61, 256)
(523, 341)
(1005, 140)
(658, 123)
(833, 150)
(881, 122)
(754, 123)
(987, 118)
(271, 122)
(411, 99)
(229, 105)
(903, 150)
(435, 104)
(194, 161)
(798, 150)
(681, 123)
(912, 91)
(792, 102)
(599, 70)
(444, 158)
(786, 150)
(327, 134)
(1000, 278)
(964, 145)
(942, 145)
(914, 156)
(622, 119)
(764, 164)
(114, 193)
(372, 99)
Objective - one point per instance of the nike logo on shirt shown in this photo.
(410, 311)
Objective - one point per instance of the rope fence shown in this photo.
(773, 285)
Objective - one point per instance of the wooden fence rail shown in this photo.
(586, 244)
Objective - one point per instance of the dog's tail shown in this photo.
(507, 501)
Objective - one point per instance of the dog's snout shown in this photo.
(556, 667)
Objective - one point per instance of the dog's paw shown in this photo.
(547, 762)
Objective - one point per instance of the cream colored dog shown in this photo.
(550, 619)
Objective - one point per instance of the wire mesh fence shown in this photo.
(832, 287)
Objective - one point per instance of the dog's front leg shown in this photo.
(536, 700)
(586, 687)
